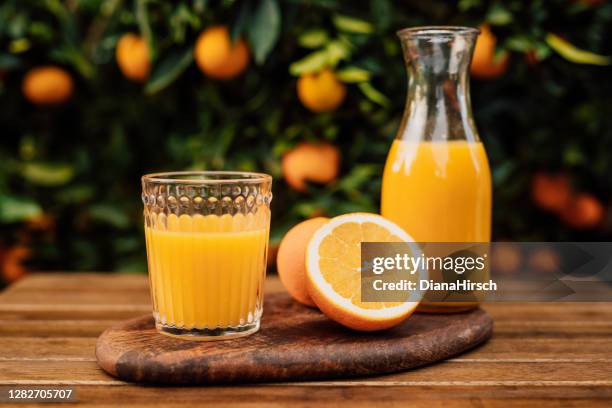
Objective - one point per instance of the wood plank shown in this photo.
(44, 348)
(70, 290)
(498, 349)
(573, 331)
(96, 282)
(49, 281)
(563, 329)
(122, 312)
(117, 290)
(309, 395)
(54, 328)
(550, 311)
(76, 297)
(442, 374)
(17, 313)
(541, 348)
(545, 354)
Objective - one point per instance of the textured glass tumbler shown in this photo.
(207, 241)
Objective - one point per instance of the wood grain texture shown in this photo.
(541, 354)
(295, 343)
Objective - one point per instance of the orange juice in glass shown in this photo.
(437, 182)
(207, 238)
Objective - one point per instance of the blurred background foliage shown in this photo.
(74, 143)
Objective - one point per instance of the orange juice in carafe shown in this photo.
(439, 191)
(437, 182)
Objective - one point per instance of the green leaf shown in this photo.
(72, 55)
(353, 74)
(314, 38)
(382, 13)
(329, 57)
(336, 51)
(47, 174)
(264, 29)
(243, 17)
(132, 265)
(352, 25)
(359, 175)
(109, 214)
(9, 62)
(499, 15)
(20, 45)
(465, 5)
(520, 43)
(373, 94)
(75, 194)
(182, 19)
(503, 172)
(200, 5)
(67, 19)
(169, 70)
(16, 209)
(542, 51)
(574, 54)
(144, 25)
(313, 62)
(572, 155)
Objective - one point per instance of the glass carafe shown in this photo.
(437, 182)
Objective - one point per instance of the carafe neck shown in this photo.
(438, 104)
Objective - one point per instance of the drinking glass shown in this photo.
(207, 240)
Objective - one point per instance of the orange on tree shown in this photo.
(217, 56)
(41, 223)
(485, 64)
(531, 59)
(506, 258)
(132, 55)
(333, 272)
(47, 85)
(551, 192)
(544, 260)
(291, 258)
(13, 259)
(584, 211)
(321, 91)
(315, 162)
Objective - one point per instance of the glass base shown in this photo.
(220, 333)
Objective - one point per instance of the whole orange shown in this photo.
(47, 85)
(217, 57)
(584, 211)
(484, 63)
(291, 258)
(132, 55)
(316, 162)
(551, 192)
(322, 91)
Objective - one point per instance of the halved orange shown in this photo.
(333, 265)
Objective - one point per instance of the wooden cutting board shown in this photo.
(294, 343)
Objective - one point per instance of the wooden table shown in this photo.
(540, 354)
